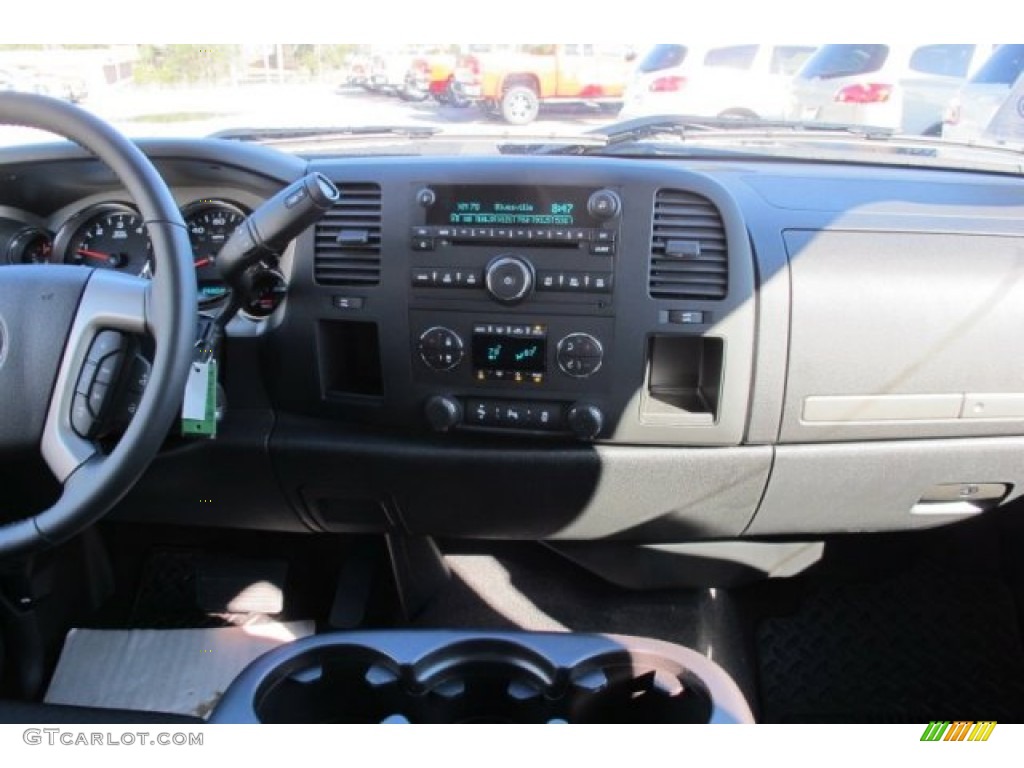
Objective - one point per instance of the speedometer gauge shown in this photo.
(210, 223)
(107, 236)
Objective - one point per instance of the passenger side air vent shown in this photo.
(347, 248)
(689, 259)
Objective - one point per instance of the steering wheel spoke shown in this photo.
(112, 304)
(42, 308)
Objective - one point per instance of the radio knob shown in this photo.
(604, 204)
(509, 279)
(426, 197)
(440, 348)
(443, 412)
(585, 421)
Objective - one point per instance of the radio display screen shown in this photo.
(482, 205)
(494, 352)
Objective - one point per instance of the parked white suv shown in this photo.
(972, 109)
(898, 86)
(742, 80)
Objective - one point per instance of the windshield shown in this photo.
(1004, 66)
(464, 97)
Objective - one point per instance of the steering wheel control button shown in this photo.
(604, 204)
(82, 420)
(580, 355)
(105, 343)
(138, 376)
(441, 348)
(85, 378)
(509, 279)
(106, 371)
(97, 398)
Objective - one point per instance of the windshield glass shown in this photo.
(1004, 66)
(470, 97)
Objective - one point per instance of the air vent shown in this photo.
(689, 259)
(347, 249)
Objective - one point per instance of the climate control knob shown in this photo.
(579, 355)
(585, 421)
(509, 279)
(440, 348)
(443, 412)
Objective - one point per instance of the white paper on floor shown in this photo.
(185, 671)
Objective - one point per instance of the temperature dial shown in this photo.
(440, 348)
(580, 355)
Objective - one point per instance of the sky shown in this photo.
(395, 21)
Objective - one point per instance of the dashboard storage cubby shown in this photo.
(463, 677)
(683, 381)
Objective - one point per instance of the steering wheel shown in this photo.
(50, 315)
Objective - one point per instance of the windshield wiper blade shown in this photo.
(686, 126)
(683, 125)
(286, 135)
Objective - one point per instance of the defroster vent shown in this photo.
(689, 258)
(347, 249)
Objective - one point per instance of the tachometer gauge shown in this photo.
(107, 236)
(210, 223)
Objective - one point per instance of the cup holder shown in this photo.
(450, 677)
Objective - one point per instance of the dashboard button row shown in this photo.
(445, 277)
(576, 282)
(538, 331)
(425, 238)
(513, 414)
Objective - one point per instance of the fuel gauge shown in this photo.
(30, 246)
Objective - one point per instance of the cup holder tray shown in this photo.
(491, 677)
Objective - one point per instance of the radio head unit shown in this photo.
(488, 205)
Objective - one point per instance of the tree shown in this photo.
(185, 64)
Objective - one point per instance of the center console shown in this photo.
(485, 677)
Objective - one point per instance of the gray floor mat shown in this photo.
(184, 671)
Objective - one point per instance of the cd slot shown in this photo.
(529, 242)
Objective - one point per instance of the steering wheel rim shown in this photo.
(164, 308)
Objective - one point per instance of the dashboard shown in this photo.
(583, 348)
